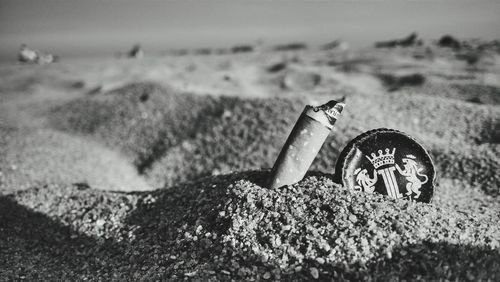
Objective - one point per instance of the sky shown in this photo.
(80, 28)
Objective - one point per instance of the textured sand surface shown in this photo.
(82, 145)
(228, 227)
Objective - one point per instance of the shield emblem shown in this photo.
(388, 162)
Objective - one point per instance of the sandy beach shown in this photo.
(154, 168)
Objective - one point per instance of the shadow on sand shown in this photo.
(34, 246)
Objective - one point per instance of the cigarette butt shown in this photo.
(304, 142)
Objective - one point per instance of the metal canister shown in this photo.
(304, 142)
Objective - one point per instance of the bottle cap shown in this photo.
(388, 162)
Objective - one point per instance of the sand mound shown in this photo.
(141, 119)
(248, 135)
(34, 157)
(228, 227)
(174, 137)
(187, 135)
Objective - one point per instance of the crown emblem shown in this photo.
(382, 159)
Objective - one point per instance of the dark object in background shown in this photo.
(79, 84)
(493, 45)
(388, 162)
(427, 53)
(472, 57)
(242, 49)
(410, 40)
(81, 185)
(277, 67)
(394, 83)
(304, 142)
(336, 45)
(136, 52)
(449, 42)
(291, 46)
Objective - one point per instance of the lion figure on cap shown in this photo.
(363, 179)
(412, 173)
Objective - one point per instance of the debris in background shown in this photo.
(242, 49)
(336, 45)
(277, 67)
(45, 58)
(81, 185)
(26, 55)
(410, 40)
(393, 82)
(449, 42)
(493, 45)
(291, 46)
(136, 52)
(31, 56)
(426, 54)
(471, 57)
(78, 84)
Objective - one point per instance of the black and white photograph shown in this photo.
(249, 140)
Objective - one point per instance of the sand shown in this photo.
(229, 227)
(152, 169)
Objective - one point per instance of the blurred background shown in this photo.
(73, 28)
